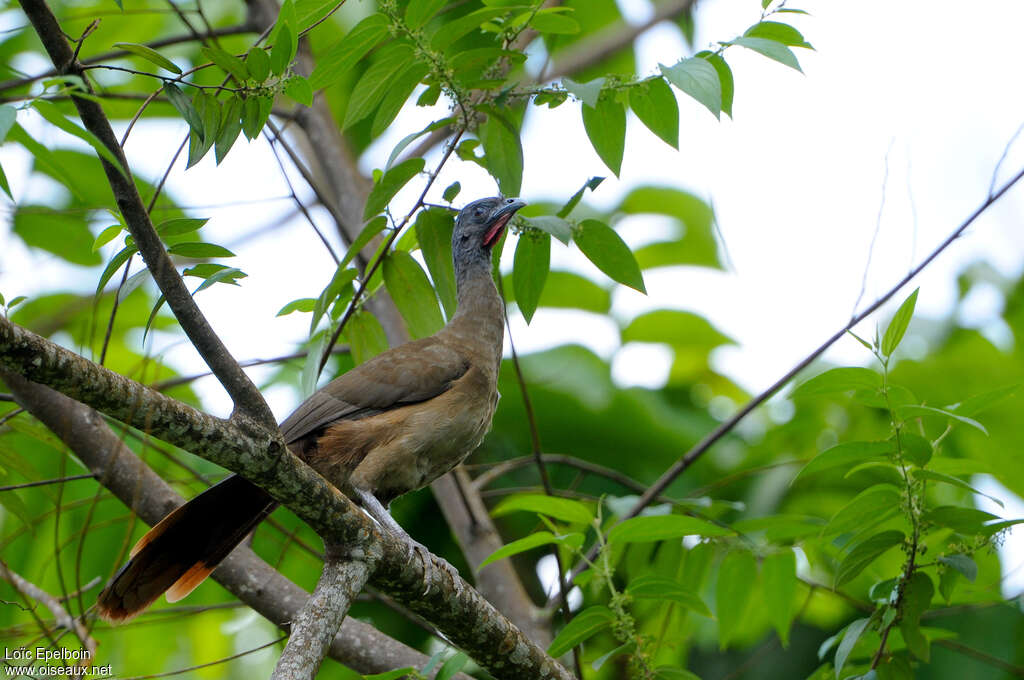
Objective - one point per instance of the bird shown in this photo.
(386, 427)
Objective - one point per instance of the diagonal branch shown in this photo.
(243, 392)
(709, 440)
(243, 573)
(423, 586)
(314, 628)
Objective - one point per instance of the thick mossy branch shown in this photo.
(463, 615)
(243, 573)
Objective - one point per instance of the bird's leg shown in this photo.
(377, 511)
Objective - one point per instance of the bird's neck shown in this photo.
(480, 311)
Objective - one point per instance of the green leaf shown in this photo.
(870, 507)
(531, 266)
(228, 63)
(257, 62)
(571, 291)
(771, 49)
(452, 666)
(588, 93)
(934, 476)
(199, 249)
(66, 235)
(390, 184)
(150, 55)
(339, 59)
(106, 236)
(208, 108)
(654, 104)
(412, 293)
(736, 577)
(725, 79)
(300, 305)
(52, 114)
(230, 126)
(978, 403)
(282, 52)
(917, 596)
(409, 139)
(969, 521)
(529, 543)
(676, 328)
(584, 625)
(860, 555)
(625, 648)
(778, 573)
(846, 454)
(451, 191)
(419, 12)
(180, 225)
(503, 152)
(699, 79)
(574, 200)
(663, 527)
(115, 263)
(850, 637)
(8, 115)
(299, 89)
(915, 448)
(14, 505)
(226, 275)
(452, 30)
(840, 380)
(962, 563)
(898, 325)
(606, 127)
(184, 106)
(779, 32)
(392, 60)
(371, 229)
(650, 587)
(434, 233)
(401, 88)
(609, 252)
(365, 336)
(564, 509)
(556, 226)
(554, 21)
(913, 411)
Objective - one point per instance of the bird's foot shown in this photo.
(420, 550)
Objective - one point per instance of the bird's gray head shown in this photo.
(480, 224)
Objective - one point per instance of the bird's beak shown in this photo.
(499, 218)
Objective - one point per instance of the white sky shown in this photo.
(797, 180)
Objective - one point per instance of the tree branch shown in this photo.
(243, 392)
(611, 40)
(701, 447)
(423, 586)
(315, 627)
(243, 573)
(60, 615)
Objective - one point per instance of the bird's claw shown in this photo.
(420, 550)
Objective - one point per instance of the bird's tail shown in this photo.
(180, 552)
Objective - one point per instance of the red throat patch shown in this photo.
(494, 233)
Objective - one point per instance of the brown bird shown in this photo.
(388, 426)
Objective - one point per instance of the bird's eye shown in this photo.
(478, 212)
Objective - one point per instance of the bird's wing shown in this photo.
(410, 373)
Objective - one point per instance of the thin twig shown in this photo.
(368, 275)
(709, 440)
(44, 482)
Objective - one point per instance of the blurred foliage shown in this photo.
(794, 574)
